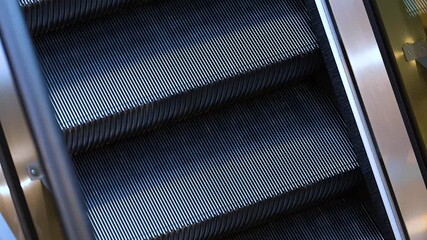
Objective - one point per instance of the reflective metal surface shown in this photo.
(416, 51)
(385, 119)
(358, 113)
(7, 209)
(403, 32)
(24, 153)
(424, 21)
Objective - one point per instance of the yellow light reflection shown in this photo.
(398, 54)
(401, 57)
(409, 39)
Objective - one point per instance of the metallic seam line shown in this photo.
(360, 120)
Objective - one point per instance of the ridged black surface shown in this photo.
(274, 153)
(45, 15)
(265, 209)
(340, 219)
(416, 7)
(136, 70)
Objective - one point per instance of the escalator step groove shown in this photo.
(133, 71)
(339, 219)
(276, 152)
(45, 15)
(415, 7)
(158, 65)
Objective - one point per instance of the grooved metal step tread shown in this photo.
(275, 153)
(138, 69)
(339, 219)
(46, 15)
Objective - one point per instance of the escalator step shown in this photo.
(215, 173)
(339, 219)
(45, 15)
(117, 75)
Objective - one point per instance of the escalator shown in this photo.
(207, 119)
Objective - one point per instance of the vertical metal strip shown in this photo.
(360, 119)
(402, 180)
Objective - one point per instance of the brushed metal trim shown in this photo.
(360, 119)
(24, 153)
(385, 119)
